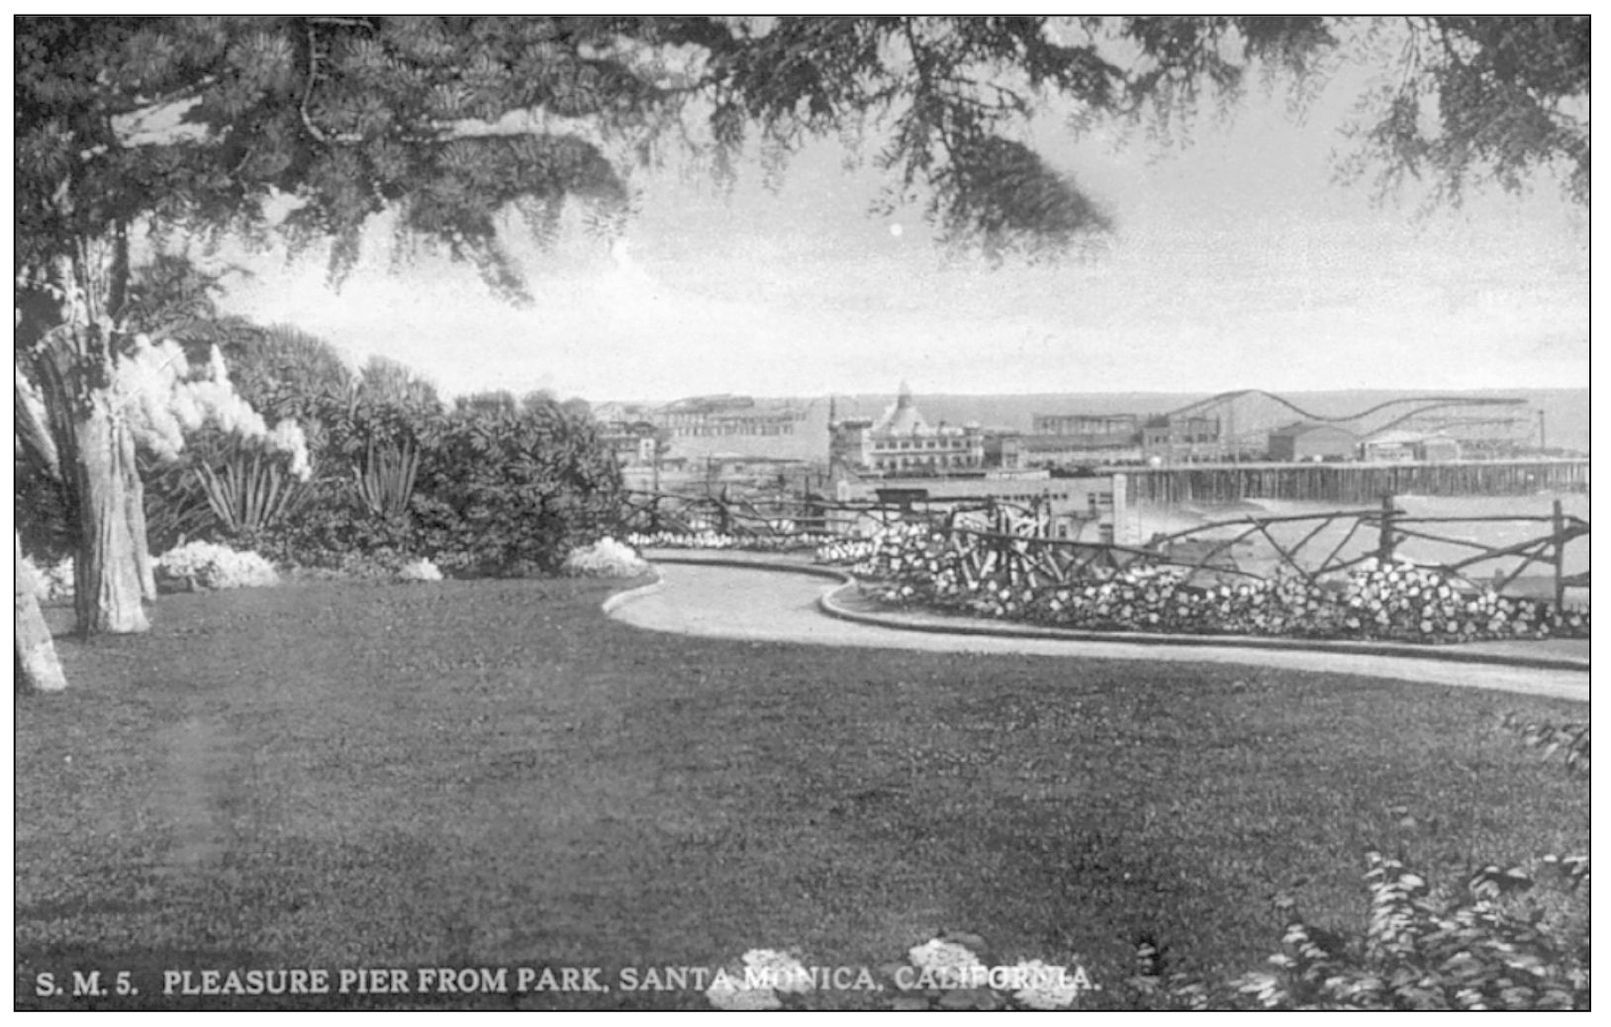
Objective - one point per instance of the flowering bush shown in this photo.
(948, 972)
(209, 565)
(846, 551)
(51, 582)
(919, 564)
(166, 399)
(708, 538)
(1570, 740)
(605, 558)
(1506, 938)
(419, 570)
(1512, 938)
(704, 539)
(758, 981)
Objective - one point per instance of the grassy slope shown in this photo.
(492, 773)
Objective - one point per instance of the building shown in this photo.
(901, 442)
(1437, 448)
(1307, 440)
(1181, 438)
(716, 431)
(1004, 450)
(742, 426)
(1092, 431)
(632, 442)
(1397, 446)
(1070, 451)
(1083, 509)
(1082, 440)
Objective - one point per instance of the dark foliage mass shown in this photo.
(455, 122)
(492, 486)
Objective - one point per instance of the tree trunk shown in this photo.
(76, 363)
(134, 499)
(107, 579)
(38, 670)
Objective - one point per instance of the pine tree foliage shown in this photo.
(456, 123)
(203, 121)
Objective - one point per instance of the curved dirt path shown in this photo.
(762, 604)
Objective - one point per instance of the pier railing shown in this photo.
(1351, 481)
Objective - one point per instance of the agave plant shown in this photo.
(385, 480)
(249, 491)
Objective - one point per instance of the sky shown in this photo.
(1236, 263)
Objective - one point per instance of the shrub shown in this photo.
(52, 582)
(332, 530)
(605, 558)
(210, 565)
(709, 538)
(419, 570)
(1570, 740)
(46, 512)
(1507, 938)
(1512, 938)
(514, 491)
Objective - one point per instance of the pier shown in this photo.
(1351, 482)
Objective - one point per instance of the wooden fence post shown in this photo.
(1558, 529)
(1384, 543)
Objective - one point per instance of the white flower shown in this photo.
(420, 570)
(164, 398)
(1044, 987)
(605, 558)
(287, 437)
(781, 970)
(216, 566)
(215, 366)
(733, 991)
(945, 958)
(51, 582)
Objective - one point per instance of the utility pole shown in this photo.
(1542, 443)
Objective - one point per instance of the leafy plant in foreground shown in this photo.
(1571, 740)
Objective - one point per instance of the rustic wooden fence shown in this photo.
(1211, 550)
(783, 518)
(994, 536)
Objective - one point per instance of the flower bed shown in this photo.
(1506, 937)
(846, 551)
(711, 539)
(919, 565)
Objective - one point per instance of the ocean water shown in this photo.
(1565, 411)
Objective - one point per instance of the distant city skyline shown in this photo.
(1236, 263)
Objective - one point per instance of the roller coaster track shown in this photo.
(1422, 405)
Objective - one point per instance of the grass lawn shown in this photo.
(493, 774)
